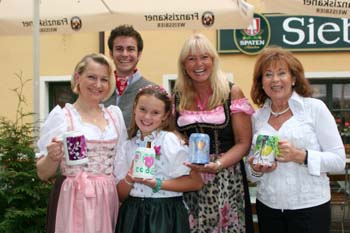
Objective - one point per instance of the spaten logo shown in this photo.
(255, 37)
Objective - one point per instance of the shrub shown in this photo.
(23, 197)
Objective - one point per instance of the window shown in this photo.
(54, 90)
(60, 93)
(335, 93)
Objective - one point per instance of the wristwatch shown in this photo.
(306, 157)
(220, 168)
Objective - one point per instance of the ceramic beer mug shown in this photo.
(199, 148)
(144, 162)
(75, 150)
(266, 150)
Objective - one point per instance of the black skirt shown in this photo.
(153, 215)
(52, 206)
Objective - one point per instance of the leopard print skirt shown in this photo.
(219, 207)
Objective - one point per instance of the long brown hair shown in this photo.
(161, 94)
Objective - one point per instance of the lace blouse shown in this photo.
(312, 127)
(169, 165)
(57, 123)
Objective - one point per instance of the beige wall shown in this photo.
(59, 54)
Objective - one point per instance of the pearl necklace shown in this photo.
(277, 114)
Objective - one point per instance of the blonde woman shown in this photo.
(84, 198)
(207, 103)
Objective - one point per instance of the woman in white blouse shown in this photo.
(293, 194)
(84, 198)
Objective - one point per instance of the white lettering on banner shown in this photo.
(252, 42)
(323, 32)
(287, 28)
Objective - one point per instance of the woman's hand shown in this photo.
(47, 165)
(211, 167)
(261, 167)
(55, 150)
(288, 153)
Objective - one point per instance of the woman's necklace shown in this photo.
(94, 118)
(277, 114)
(201, 105)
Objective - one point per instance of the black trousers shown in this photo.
(309, 220)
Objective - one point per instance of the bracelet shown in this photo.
(158, 186)
(129, 183)
(255, 173)
(220, 168)
(306, 157)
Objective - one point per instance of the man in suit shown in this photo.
(125, 47)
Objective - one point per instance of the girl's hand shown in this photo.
(260, 167)
(152, 183)
(211, 167)
(55, 150)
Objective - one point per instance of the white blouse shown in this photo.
(173, 153)
(56, 124)
(312, 127)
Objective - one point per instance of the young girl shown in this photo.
(154, 205)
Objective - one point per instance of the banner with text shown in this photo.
(295, 33)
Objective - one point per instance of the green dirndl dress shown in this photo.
(153, 215)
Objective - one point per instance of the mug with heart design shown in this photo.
(144, 163)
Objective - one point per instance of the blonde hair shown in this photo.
(198, 43)
(100, 59)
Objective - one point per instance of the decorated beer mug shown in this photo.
(266, 150)
(144, 163)
(199, 148)
(75, 150)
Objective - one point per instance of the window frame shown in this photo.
(44, 84)
(329, 78)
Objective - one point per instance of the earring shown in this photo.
(293, 84)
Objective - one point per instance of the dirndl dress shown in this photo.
(145, 211)
(84, 198)
(223, 204)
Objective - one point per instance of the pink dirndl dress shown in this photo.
(88, 200)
